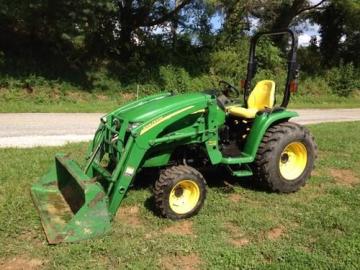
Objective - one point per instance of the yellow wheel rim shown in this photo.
(293, 160)
(184, 196)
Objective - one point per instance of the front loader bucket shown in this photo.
(72, 206)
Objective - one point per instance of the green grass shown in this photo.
(325, 101)
(351, 104)
(43, 100)
(240, 227)
(90, 106)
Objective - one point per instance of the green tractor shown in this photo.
(178, 134)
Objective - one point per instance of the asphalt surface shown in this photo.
(52, 129)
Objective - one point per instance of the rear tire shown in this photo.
(180, 192)
(285, 157)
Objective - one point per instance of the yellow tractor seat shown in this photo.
(262, 97)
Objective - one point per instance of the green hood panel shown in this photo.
(151, 109)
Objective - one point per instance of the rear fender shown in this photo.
(260, 126)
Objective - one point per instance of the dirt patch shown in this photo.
(31, 236)
(235, 198)
(109, 262)
(344, 177)
(183, 262)
(318, 187)
(129, 215)
(239, 242)
(180, 228)
(237, 238)
(275, 233)
(315, 173)
(21, 263)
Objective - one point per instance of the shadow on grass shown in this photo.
(219, 177)
(216, 177)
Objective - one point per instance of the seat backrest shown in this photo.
(263, 95)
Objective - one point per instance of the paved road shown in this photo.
(51, 129)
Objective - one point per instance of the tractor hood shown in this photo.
(149, 108)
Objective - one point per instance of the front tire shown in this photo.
(285, 157)
(180, 192)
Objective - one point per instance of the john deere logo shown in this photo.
(162, 119)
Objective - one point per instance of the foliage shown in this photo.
(231, 61)
(178, 80)
(175, 79)
(310, 58)
(344, 80)
(340, 32)
(121, 46)
(228, 63)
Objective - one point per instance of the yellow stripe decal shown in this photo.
(199, 111)
(162, 119)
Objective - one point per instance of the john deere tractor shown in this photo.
(250, 136)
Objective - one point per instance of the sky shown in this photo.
(311, 30)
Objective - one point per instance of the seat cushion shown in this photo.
(263, 95)
(242, 112)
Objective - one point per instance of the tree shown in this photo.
(340, 32)
(133, 15)
(279, 14)
(98, 26)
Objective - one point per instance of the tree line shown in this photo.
(138, 41)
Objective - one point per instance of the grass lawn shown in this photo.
(82, 101)
(240, 227)
(71, 101)
(107, 105)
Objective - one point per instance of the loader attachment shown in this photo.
(72, 206)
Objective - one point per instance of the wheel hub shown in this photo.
(179, 192)
(293, 160)
(184, 196)
(284, 158)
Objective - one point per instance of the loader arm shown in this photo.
(147, 136)
(76, 204)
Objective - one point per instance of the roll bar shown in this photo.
(293, 67)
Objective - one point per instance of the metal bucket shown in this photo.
(72, 206)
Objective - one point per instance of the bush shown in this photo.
(226, 65)
(313, 86)
(100, 80)
(344, 79)
(178, 80)
(269, 57)
(231, 62)
(175, 79)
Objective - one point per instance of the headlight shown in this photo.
(116, 124)
(133, 126)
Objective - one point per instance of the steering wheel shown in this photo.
(229, 88)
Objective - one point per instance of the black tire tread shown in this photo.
(166, 178)
(261, 167)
